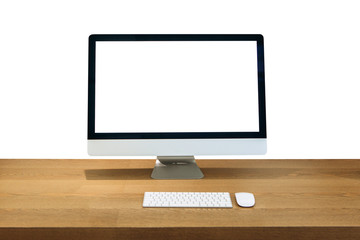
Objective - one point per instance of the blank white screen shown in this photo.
(176, 86)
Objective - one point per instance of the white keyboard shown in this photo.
(187, 199)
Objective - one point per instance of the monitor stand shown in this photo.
(176, 167)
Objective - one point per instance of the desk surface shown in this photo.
(102, 199)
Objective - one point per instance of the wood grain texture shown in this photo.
(91, 199)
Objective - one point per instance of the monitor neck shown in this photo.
(176, 167)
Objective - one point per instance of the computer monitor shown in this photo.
(176, 96)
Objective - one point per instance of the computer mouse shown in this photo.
(245, 199)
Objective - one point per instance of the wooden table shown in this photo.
(102, 199)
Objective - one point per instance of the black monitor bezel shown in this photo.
(176, 37)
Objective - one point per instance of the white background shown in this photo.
(311, 59)
(176, 86)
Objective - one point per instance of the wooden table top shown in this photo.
(93, 198)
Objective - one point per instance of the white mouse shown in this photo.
(245, 199)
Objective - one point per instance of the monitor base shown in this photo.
(179, 167)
